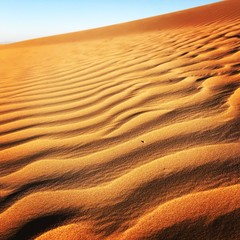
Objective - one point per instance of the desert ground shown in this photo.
(129, 132)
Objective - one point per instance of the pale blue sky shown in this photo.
(26, 19)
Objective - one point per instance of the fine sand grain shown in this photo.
(126, 132)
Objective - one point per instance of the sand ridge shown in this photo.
(131, 135)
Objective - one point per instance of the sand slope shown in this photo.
(125, 132)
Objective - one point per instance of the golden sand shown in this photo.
(125, 132)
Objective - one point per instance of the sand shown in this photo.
(125, 132)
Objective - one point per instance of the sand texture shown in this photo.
(125, 132)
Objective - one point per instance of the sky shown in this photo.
(27, 19)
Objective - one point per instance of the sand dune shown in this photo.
(125, 132)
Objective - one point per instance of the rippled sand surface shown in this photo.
(125, 132)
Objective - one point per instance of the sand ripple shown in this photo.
(132, 136)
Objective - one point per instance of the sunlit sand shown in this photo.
(125, 132)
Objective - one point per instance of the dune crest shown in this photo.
(125, 132)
